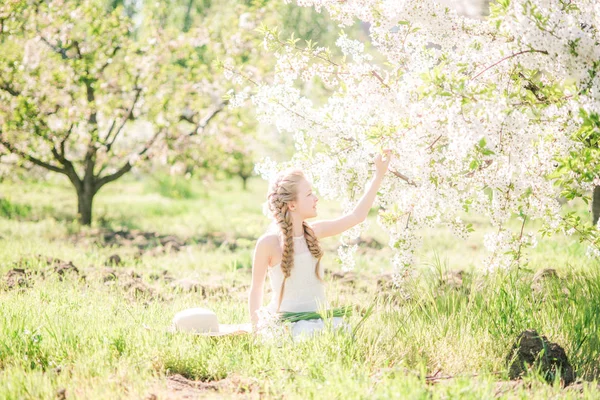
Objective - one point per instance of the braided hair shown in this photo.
(283, 191)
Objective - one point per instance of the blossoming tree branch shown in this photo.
(497, 117)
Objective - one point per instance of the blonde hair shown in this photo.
(283, 191)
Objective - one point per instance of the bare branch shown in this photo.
(128, 165)
(106, 64)
(112, 126)
(30, 158)
(373, 73)
(403, 177)
(76, 44)
(202, 123)
(380, 79)
(486, 164)
(57, 49)
(434, 142)
(507, 57)
(62, 143)
(7, 88)
(126, 117)
(521, 240)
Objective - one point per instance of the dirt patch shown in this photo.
(109, 274)
(62, 268)
(532, 350)
(388, 292)
(155, 244)
(150, 243)
(544, 274)
(580, 386)
(453, 279)
(141, 239)
(385, 282)
(18, 278)
(218, 290)
(163, 275)
(22, 275)
(543, 283)
(138, 289)
(505, 387)
(145, 242)
(215, 290)
(348, 278)
(187, 285)
(225, 240)
(130, 281)
(179, 387)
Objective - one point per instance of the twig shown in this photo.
(403, 177)
(434, 142)
(508, 57)
(373, 73)
(434, 378)
(520, 240)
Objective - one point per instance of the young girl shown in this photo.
(292, 257)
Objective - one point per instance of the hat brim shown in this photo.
(229, 330)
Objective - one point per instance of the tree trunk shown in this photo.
(84, 207)
(85, 198)
(244, 182)
(187, 21)
(596, 205)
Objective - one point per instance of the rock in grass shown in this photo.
(533, 350)
(114, 260)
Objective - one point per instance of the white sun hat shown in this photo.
(204, 322)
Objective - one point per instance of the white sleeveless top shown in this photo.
(303, 290)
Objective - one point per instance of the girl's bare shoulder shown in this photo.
(269, 243)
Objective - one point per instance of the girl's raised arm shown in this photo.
(336, 226)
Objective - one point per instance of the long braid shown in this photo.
(284, 220)
(313, 246)
(281, 193)
(278, 199)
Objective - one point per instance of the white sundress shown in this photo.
(303, 292)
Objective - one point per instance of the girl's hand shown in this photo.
(381, 164)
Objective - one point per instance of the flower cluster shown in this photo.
(476, 112)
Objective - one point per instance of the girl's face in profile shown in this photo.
(305, 204)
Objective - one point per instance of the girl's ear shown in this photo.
(292, 205)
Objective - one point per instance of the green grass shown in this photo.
(99, 339)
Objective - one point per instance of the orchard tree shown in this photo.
(480, 115)
(89, 92)
(228, 150)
